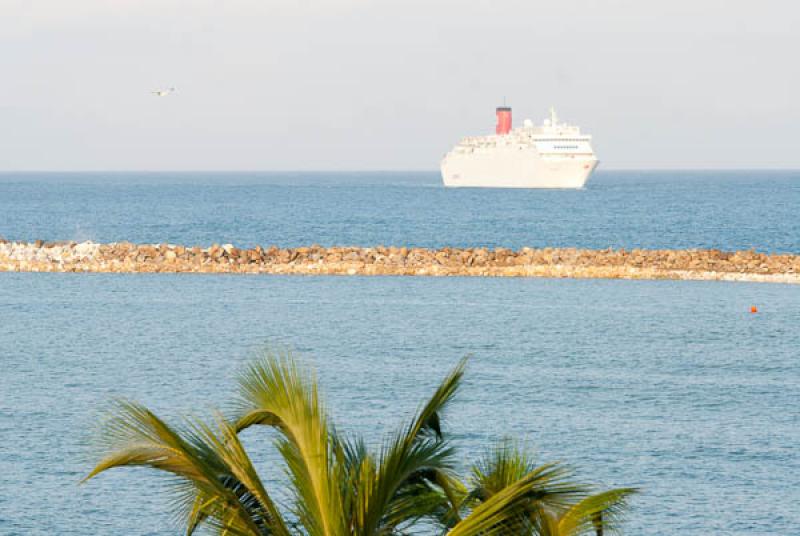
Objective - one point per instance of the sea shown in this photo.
(673, 387)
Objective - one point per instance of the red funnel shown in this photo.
(503, 120)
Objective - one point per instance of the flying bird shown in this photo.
(163, 92)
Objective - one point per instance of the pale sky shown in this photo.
(392, 85)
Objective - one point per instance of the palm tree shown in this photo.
(339, 487)
(554, 506)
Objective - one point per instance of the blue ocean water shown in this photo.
(670, 386)
(726, 210)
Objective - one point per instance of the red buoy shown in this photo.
(753, 309)
(503, 120)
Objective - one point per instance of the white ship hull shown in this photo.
(553, 155)
(513, 168)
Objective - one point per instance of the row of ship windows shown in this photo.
(520, 147)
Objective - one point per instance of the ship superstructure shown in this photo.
(552, 155)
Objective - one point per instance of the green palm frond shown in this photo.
(508, 510)
(601, 513)
(551, 504)
(428, 420)
(225, 445)
(400, 474)
(457, 495)
(207, 464)
(508, 462)
(133, 435)
(275, 392)
(340, 486)
(416, 453)
(499, 467)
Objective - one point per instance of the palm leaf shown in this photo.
(508, 509)
(428, 419)
(207, 489)
(228, 448)
(508, 462)
(275, 392)
(340, 487)
(416, 453)
(598, 513)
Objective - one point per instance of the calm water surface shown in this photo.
(671, 386)
(730, 210)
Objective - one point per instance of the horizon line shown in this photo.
(369, 170)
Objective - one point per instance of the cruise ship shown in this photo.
(553, 155)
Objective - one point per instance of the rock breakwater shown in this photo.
(125, 257)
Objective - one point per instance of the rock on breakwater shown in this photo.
(125, 257)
